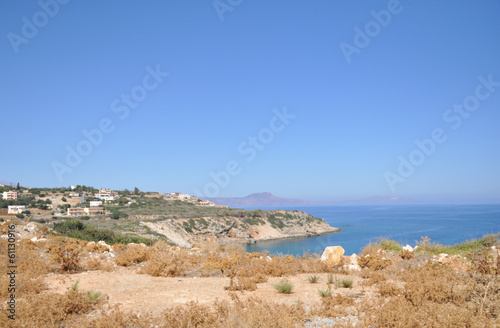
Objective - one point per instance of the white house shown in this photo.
(74, 194)
(105, 194)
(205, 203)
(9, 195)
(16, 209)
(96, 203)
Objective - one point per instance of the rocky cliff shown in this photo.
(264, 225)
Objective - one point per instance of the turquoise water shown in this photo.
(362, 224)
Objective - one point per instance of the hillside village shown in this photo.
(76, 201)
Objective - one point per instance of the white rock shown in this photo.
(333, 254)
(442, 257)
(408, 248)
(354, 267)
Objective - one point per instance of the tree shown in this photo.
(18, 187)
(115, 214)
(136, 191)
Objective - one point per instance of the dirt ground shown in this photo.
(143, 293)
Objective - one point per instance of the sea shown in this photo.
(446, 224)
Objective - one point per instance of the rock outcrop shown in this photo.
(270, 225)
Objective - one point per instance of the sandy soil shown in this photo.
(139, 292)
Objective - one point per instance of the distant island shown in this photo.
(268, 199)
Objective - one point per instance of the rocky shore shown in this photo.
(271, 225)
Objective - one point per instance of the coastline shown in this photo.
(316, 234)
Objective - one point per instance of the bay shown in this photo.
(445, 224)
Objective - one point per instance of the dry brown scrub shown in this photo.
(411, 290)
(30, 270)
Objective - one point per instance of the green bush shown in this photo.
(313, 279)
(284, 287)
(79, 230)
(325, 292)
(389, 245)
(346, 283)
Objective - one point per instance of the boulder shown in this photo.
(333, 255)
(408, 248)
(103, 244)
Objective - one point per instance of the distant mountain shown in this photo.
(7, 183)
(268, 199)
(259, 199)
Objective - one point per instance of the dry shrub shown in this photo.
(43, 229)
(119, 248)
(398, 312)
(65, 252)
(389, 288)
(30, 270)
(27, 244)
(250, 313)
(98, 263)
(116, 319)
(486, 295)
(435, 296)
(96, 247)
(280, 266)
(372, 277)
(311, 263)
(135, 254)
(406, 254)
(165, 262)
(482, 263)
(233, 248)
(373, 258)
(208, 247)
(436, 283)
(334, 306)
(227, 264)
(52, 310)
(4, 226)
(242, 283)
(194, 314)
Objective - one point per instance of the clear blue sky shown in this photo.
(356, 111)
